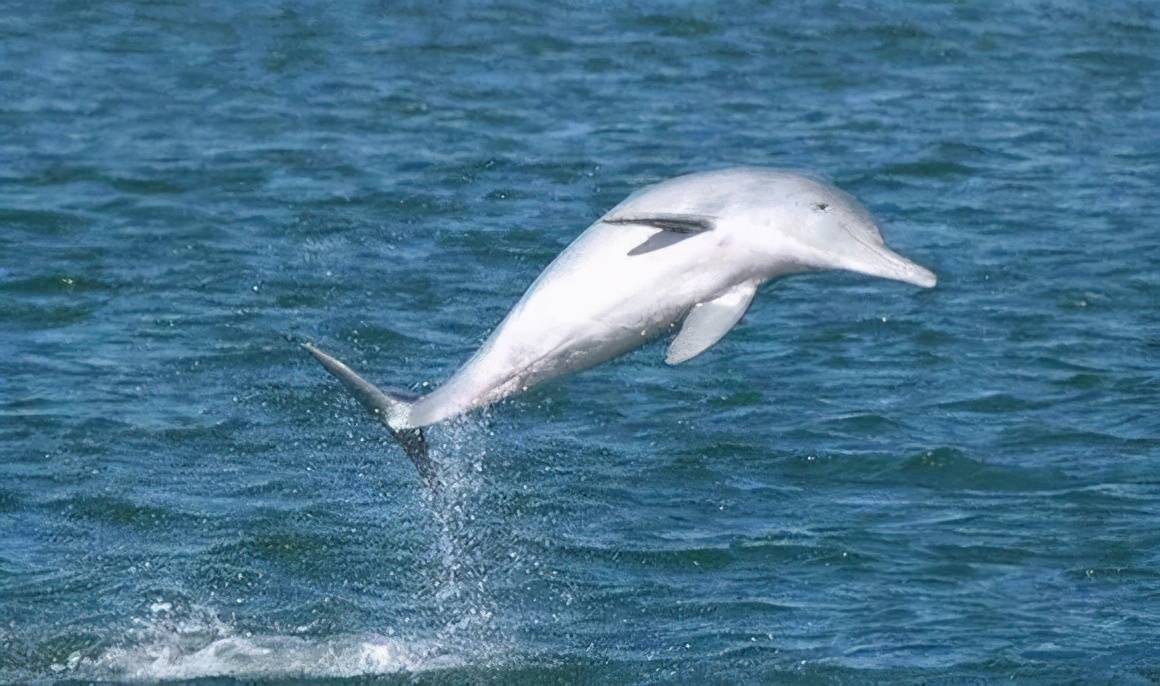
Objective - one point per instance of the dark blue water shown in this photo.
(863, 482)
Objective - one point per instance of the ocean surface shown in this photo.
(865, 482)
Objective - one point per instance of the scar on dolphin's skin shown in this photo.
(644, 267)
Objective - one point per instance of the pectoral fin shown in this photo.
(709, 321)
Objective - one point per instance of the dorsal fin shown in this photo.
(677, 223)
(674, 228)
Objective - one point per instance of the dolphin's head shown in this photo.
(817, 226)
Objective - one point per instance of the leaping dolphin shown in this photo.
(691, 250)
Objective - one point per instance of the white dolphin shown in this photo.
(691, 250)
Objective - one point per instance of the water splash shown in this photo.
(465, 547)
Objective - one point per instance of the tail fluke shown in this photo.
(389, 408)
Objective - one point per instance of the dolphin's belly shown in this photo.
(594, 302)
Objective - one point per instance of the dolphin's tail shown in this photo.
(388, 408)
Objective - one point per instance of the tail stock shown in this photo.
(389, 408)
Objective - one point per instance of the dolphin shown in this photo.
(690, 251)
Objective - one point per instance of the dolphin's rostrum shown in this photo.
(693, 250)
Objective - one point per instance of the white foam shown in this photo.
(201, 645)
(342, 656)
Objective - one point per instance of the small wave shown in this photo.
(9, 501)
(930, 168)
(106, 509)
(40, 221)
(992, 403)
(938, 468)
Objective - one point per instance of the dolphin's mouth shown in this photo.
(881, 261)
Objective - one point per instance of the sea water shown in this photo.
(864, 481)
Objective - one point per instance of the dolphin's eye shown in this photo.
(821, 206)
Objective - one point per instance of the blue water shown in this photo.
(864, 482)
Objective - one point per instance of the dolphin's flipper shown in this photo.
(707, 322)
(388, 408)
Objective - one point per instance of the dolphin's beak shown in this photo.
(878, 260)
